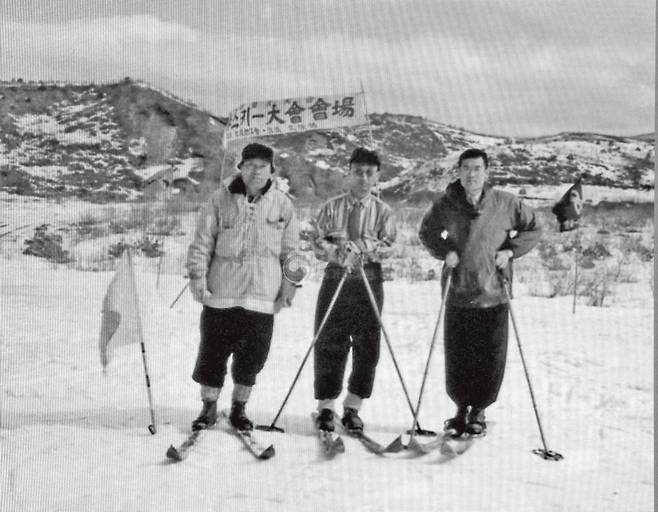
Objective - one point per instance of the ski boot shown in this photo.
(351, 420)
(238, 418)
(208, 416)
(475, 424)
(325, 420)
(455, 427)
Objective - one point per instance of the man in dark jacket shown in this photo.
(477, 231)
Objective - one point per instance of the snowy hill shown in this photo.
(103, 142)
(97, 142)
(420, 156)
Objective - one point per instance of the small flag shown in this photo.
(569, 207)
(121, 323)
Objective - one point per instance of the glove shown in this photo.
(348, 255)
(199, 290)
(452, 260)
(502, 258)
(285, 296)
(367, 247)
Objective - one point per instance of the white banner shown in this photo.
(276, 117)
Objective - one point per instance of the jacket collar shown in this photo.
(236, 185)
(351, 200)
(457, 196)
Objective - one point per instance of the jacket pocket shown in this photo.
(229, 242)
(272, 234)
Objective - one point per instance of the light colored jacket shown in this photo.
(239, 247)
(378, 229)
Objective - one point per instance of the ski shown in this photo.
(405, 442)
(255, 447)
(180, 452)
(369, 443)
(441, 443)
(453, 447)
(331, 443)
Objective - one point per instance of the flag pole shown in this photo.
(575, 273)
(157, 280)
(151, 427)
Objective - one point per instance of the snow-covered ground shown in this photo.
(73, 439)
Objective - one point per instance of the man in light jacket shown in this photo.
(244, 235)
(477, 230)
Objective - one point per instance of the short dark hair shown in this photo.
(474, 153)
(365, 156)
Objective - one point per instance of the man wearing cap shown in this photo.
(352, 229)
(244, 234)
(477, 230)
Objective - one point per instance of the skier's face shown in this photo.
(362, 178)
(255, 173)
(473, 173)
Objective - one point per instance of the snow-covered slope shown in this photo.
(97, 142)
(74, 440)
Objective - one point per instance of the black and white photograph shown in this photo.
(368, 255)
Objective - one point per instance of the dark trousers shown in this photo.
(245, 334)
(352, 322)
(475, 342)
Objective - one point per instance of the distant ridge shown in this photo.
(101, 142)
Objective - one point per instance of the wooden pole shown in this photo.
(152, 426)
(365, 108)
(575, 272)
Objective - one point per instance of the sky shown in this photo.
(500, 67)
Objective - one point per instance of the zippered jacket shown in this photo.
(499, 221)
(239, 246)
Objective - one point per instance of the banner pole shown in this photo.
(221, 169)
(365, 109)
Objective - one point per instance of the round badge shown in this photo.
(296, 267)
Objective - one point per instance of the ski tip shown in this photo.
(268, 453)
(395, 446)
(174, 454)
(447, 451)
(332, 447)
(416, 446)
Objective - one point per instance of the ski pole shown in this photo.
(544, 453)
(429, 355)
(373, 302)
(179, 295)
(273, 426)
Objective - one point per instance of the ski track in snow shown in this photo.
(73, 439)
